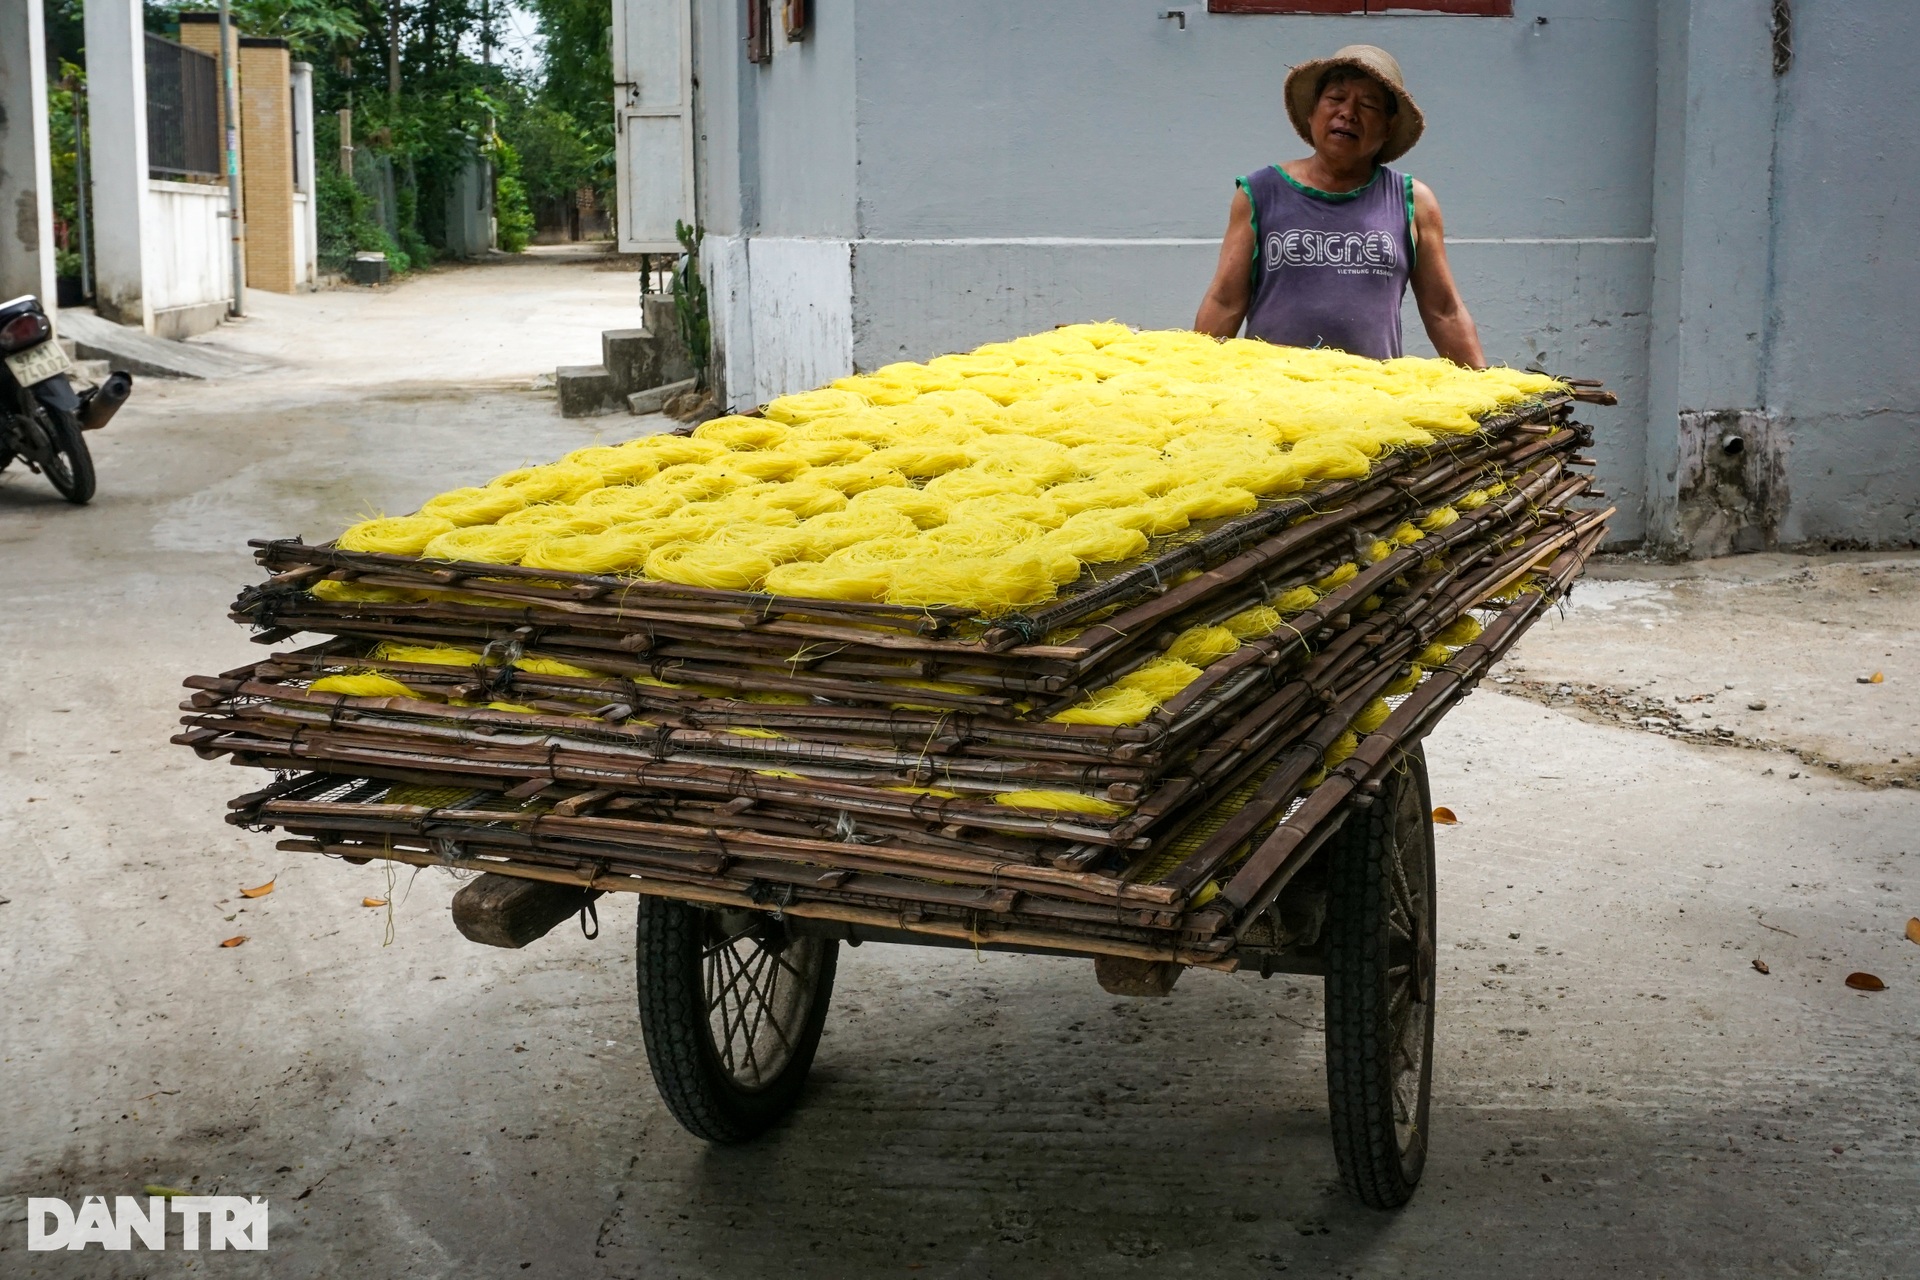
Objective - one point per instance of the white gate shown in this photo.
(653, 121)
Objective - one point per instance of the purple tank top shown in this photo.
(1330, 270)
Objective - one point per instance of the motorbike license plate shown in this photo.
(37, 364)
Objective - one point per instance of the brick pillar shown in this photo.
(266, 163)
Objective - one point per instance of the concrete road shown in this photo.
(1618, 1090)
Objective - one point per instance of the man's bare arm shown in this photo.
(1449, 326)
(1225, 303)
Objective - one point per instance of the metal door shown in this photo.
(653, 121)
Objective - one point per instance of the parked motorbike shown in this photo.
(42, 417)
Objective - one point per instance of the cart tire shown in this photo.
(731, 1010)
(1380, 981)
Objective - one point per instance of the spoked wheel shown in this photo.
(732, 1004)
(1380, 984)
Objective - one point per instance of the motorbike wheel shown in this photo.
(71, 466)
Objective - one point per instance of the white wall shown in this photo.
(306, 231)
(305, 269)
(117, 158)
(783, 311)
(188, 258)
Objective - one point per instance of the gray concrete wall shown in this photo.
(1075, 160)
(777, 139)
(1713, 223)
(1086, 118)
(1842, 368)
(1630, 194)
(806, 130)
(26, 176)
(724, 148)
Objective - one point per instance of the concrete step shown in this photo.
(632, 358)
(654, 399)
(586, 390)
(644, 358)
(656, 311)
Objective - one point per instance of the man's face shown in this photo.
(1350, 122)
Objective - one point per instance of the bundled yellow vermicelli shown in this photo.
(554, 667)
(360, 593)
(365, 685)
(555, 482)
(394, 535)
(617, 464)
(1203, 646)
(1060, 802)
(983, 480)
(1113, 705)
(818, 581)
(1297, 599)
(483, 543)
(1372, 716)
(613, 551)
(1407, 682)
(1338, 578)
(442, 655)
(715, 565)
(1343, 747)
(1258, 621)
(473, 506)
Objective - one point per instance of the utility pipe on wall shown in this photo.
(235, 223)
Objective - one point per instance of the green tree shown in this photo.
(547, 133)
(65, 93)
(577, 55)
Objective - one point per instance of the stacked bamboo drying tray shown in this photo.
(1080, 641)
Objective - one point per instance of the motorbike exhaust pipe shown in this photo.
(105, 401)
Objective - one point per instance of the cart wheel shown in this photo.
(731, 1008)
(1380, 980)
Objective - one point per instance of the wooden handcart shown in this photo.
(776, 798)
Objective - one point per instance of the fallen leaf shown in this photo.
(259, 890)
(1865, 982)
(1761, 966)
(155, 1189)
(235, 940)
(1546, 1177)
(373, 902)
(1913, 929)
(1879, 677)
(1445, 816)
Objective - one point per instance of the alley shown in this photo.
(1619, 1087)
